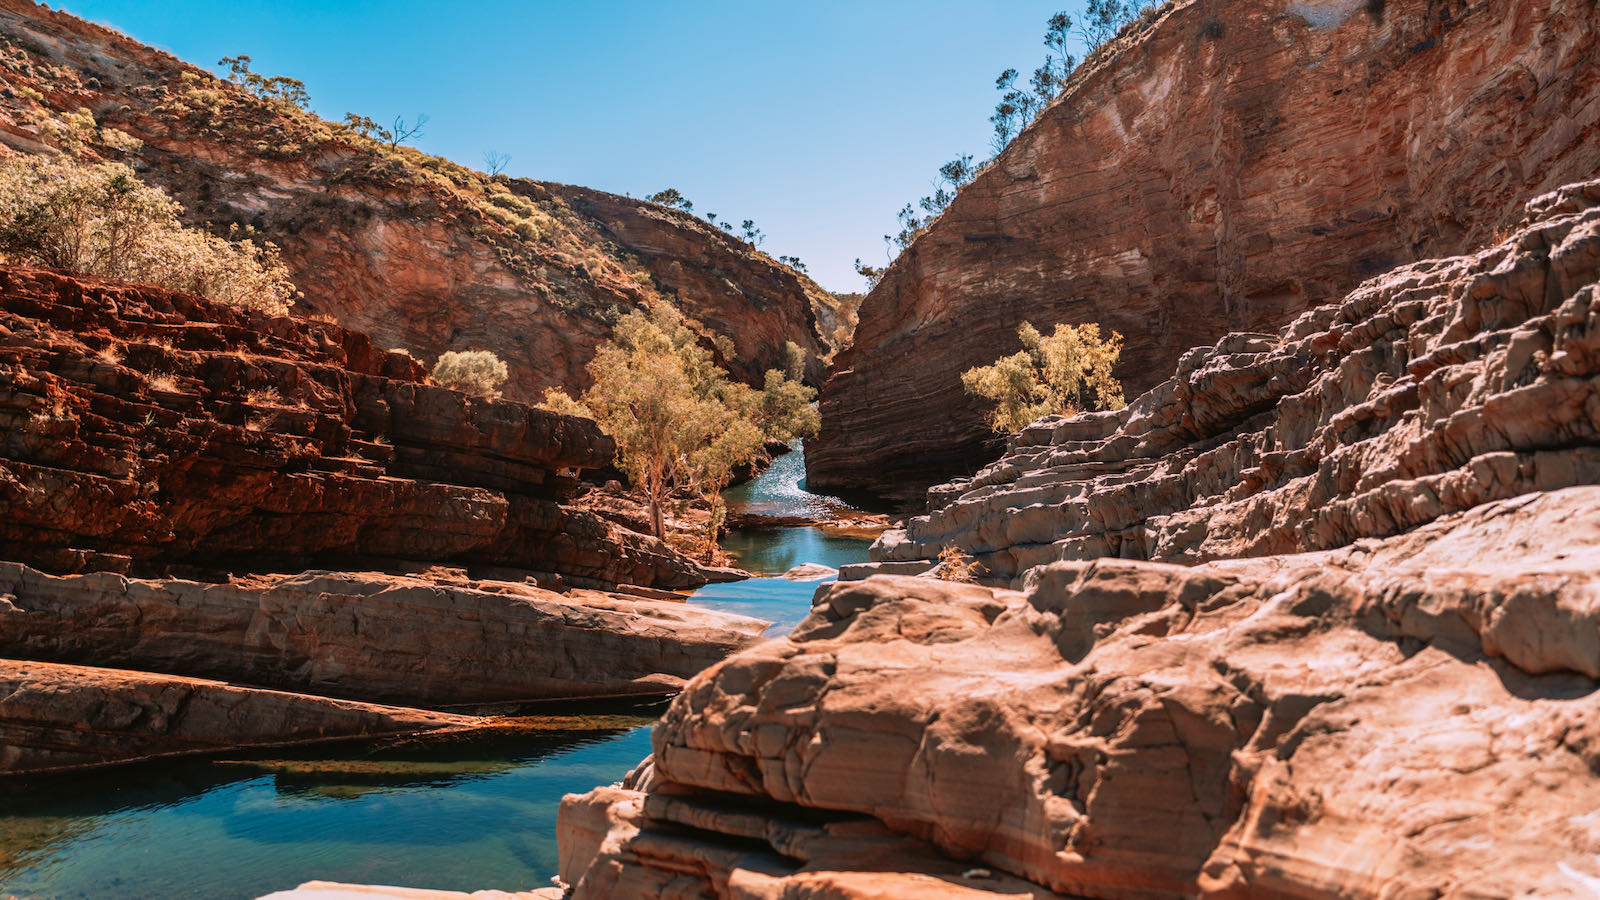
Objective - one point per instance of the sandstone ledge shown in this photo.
(1359, 722)
(370, 636)
(55, 717)
(1429, 390)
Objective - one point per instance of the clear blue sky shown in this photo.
(816, 119)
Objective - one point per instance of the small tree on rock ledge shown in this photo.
(471, 372)
(1066, 373)
(678, 420)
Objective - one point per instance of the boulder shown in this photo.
(1407, 717)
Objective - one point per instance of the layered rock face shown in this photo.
(1223, 170)
(1352, 647)
(148, 432)
(1432, 389)
(414, 250)
(420, 641)
(146, 428)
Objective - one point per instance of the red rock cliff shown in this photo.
(1223, 170)
(144, 428)
(418, 252)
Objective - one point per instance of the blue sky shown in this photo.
(816, 119)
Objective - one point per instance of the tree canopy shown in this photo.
(1066, 373)
(678, 420)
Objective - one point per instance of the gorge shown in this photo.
(1315, 614)
(1222, 170)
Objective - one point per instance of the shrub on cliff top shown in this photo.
(1065, 373)
(99, 219)
(471, 372)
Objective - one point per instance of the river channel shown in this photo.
(464, 814)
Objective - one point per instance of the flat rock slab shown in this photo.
(330, 890)
(67, 717)
(369, 636)
(810, 572)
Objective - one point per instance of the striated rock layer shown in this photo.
(1223, 170)
(1412, 717)
(366, 636)
(1432, 389)
(71, 717)
(144, 428)
(148, 432)
(1319, 616)
(415, 250)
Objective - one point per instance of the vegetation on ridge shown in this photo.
(1017, 108)
(99, 219)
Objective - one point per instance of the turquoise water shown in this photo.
(780, 491)
(464, 814)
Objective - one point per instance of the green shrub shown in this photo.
(514, 203)
(471, 372)
(1065, 373)
(101, 220)
(678, 420)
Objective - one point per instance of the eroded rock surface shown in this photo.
(144, 428)
(58, 717)
(368, 636)
(1224, 170)
(1406, 717)
(1429, 390)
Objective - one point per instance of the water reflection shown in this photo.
(464, 813)
(780, 491)
(773, 551)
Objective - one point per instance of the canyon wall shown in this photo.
(1223, 169)
(312, 524)
(418, 252)
(146, 429)
(1319, 615)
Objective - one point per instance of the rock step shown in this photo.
(56, 717)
